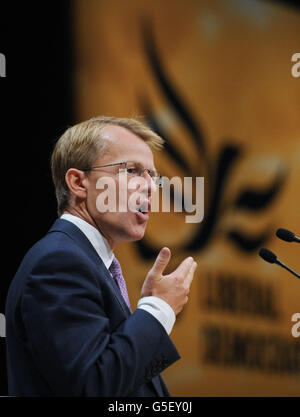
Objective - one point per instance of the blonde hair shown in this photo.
(83, 143)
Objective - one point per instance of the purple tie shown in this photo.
(116, 271)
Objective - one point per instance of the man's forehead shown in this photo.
(126, 145)
(118, 134)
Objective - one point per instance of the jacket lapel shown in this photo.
(64, 226)
(116, 290)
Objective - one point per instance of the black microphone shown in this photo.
(287, 235)
(270, 257)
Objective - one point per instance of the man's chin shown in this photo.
(138, 236)
(137, 233)
(134, 229)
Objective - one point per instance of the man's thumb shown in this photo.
(161, 261)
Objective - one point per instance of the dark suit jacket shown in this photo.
(69, 331)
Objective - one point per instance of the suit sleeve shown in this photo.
(70, 339)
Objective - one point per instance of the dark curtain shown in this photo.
(37, 104)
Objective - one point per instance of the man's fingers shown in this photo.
(190, 275)
(183, 269)
(161, 261)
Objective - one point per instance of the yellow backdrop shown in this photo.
(214, 79)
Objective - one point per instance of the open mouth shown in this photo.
(144, 208)
(143, 211)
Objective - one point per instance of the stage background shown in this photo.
(214, 79)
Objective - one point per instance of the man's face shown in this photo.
(129, 225)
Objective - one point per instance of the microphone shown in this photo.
(270, 257)
(287, 235)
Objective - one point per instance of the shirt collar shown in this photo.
(98, 241)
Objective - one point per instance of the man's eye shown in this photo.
(131, 170)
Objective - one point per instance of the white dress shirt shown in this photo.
(161, 310)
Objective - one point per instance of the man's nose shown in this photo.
(150, 186)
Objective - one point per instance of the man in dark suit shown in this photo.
(70, 327)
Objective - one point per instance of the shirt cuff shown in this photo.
(160, 309)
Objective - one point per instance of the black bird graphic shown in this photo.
(217, 169)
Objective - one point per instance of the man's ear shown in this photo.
(76, 181)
